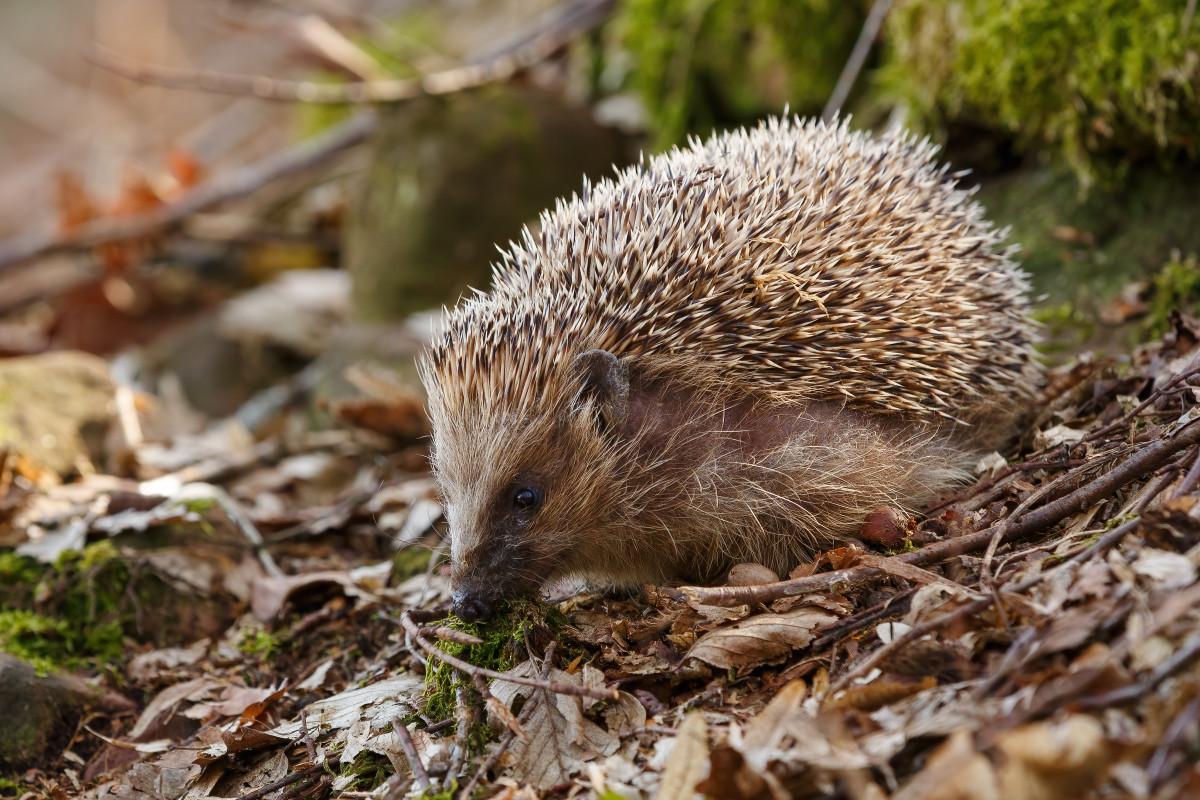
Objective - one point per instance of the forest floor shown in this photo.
(267, 616)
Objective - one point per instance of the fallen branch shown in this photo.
(578, 17)
(410, 752)
(1146, 459)
(477, 673)
(221, 189)
(295, 777)
(522, 718)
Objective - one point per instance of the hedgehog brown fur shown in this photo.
(729, 354)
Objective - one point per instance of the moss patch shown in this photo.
(1096, 81)
(503, 648)
(700, 64)
(66, 616)
(370, 770)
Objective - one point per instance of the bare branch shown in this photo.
(221, 189)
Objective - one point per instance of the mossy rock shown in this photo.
(41, 712)
(53, 405)
(452, 177)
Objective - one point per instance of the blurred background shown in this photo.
(1077, 120)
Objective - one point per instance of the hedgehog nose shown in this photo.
(471, 608)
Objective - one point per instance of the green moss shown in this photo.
(79, 618)
(503, 648)
(11, 788)
(1176, 288)
(699, 64)
(1091, 79)
(370, 770)
(259, 643)
(1065, 327)
(411, 561)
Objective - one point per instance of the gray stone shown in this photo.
(41, 712)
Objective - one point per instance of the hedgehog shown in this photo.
(730, 352)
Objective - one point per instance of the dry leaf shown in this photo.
(558, 733)
(1048, 761)
(689, 760)
(759, 639)
(954, 772)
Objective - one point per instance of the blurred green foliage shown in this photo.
(700, 64)
(65, 616)
(1100, 81)
(1175, 287)
(1099, 84)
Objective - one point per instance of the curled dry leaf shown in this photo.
(759, 639)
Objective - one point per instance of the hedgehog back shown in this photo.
(796, 260)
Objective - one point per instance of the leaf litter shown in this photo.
(284, 597)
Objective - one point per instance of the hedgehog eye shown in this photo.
(527, 498)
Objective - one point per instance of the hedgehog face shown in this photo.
(521, 493)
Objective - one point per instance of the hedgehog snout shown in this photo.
(472, 607)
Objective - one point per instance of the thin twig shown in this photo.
(332, 761)
(480, 672)
(1191, 479)
(221, 189)
(1183, 721)
(410, 752)
(1189, 650)
(503, 65)
(308, 742)
(858, 57)
(893, 605)
(522, 718)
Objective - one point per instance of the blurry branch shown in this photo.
(858, 57)
(541, 39)
(223, 188)
(528, 46)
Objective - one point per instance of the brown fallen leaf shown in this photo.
(1053, 761)
(558, 736)
(688, 762)
(759, 639)
(955, 771)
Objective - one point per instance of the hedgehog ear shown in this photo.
(606, 381)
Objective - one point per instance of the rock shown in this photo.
(450, 178)
(40, 713)
(52, 406)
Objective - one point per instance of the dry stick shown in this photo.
(332, 761)
(893, 605)
(1183, 655)
(308, 742)
(410, 752)
(858, 57)
(477, 673)
(1192, 369)
(223, 188)
(1190, 480)
(1183, 721)
(1148, 458)
(550, 34)
(522, 718)
(976, 606)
